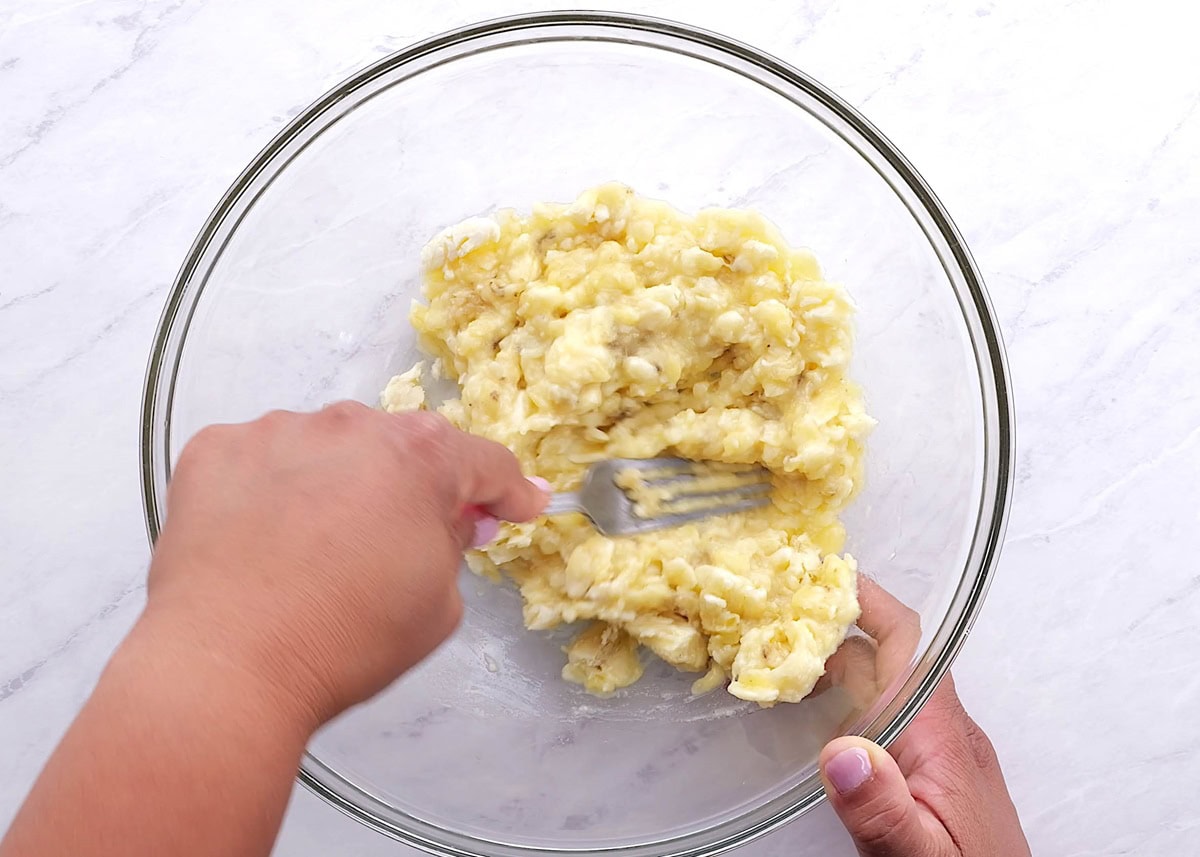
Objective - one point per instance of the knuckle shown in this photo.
(344, 411)
(203, 445)
(273, 426)
(944, 704)
(878, 821)
(979, 746)
(271, 422)
(274, 418)
(972, 748)
(426, 432)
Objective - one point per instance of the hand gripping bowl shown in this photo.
(296, 294)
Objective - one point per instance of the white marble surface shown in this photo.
(1063, 138)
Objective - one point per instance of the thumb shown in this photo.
(871, 798)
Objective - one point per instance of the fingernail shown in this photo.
(486, 529)
(540, 483)
(849, 769)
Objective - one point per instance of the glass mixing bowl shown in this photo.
(296, 294)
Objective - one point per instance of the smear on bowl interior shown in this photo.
(617, 326)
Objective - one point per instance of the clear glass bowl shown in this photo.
(296, 294)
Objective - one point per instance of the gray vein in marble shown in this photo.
(812, 19)
(1169, 137)
(772, 180)
(28, 296)
(893, 76)
(149, 207)
(116, 322)
(1185, 593)
(1096, 505)
(143, 46)
(1100, 239)
(15, 684)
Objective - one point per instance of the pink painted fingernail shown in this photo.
(540, 483)
(486, 529)
(849, 769)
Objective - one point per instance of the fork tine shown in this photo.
(686, 465)
(691, 496)
(750, 489)
(665, 471)
(712, 502)
(624, 496)
(711, 483)
(662, 522)
(668, 466)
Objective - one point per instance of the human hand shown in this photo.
(320, 551)
(939, 792)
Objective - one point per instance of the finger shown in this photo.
(883, 615)
(871, 798)
(852, 668)
(895, 627)
(475, 527)
(490, 477)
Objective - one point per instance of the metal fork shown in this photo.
(624, 496)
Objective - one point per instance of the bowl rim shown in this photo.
(564, 26)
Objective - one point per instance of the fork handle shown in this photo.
(562, 502)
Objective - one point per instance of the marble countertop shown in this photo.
(1063, 138)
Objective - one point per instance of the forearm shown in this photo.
(177, 752)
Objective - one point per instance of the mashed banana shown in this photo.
(618, 327)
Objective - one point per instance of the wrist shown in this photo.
(167, 647)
